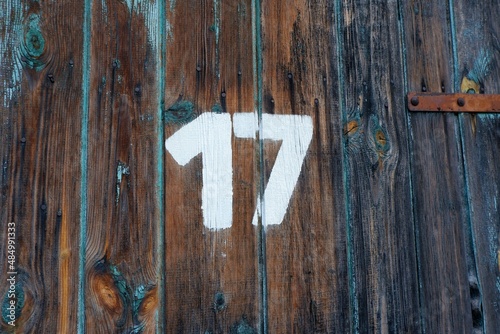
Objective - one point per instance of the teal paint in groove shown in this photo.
(217, 20)
(161, 40)
(83, 163)
(257, 85)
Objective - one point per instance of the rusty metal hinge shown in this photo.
(460, 102)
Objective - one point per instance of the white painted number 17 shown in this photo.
(210, 135)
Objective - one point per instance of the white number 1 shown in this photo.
(210, 134)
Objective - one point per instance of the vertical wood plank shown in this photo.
(211, 272)
(123, 214)
(40, 108)
(385, 281)
(306, 251)
(438, 176)
(477, 34)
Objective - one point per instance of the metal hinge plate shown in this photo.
(440, 102)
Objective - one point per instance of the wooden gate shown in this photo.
(246, 166)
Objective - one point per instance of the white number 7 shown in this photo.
(295, 132)
(210, 134)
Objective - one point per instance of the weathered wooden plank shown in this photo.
(437, 172)
(40, 107)
(211, 253)
(478, 55)
(306, 248)
(384, 274)
(123, 209)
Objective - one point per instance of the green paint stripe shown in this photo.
(261, 238)
(160, 193)
(83, 163)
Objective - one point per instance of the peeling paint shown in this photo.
(11, 74)
(121, 170)
(150, 10)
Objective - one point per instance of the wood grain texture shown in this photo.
(439, 189)
(123, 213)
(306, 255)
(40, 106)
(384, 270)
(478, 52)
(211, 274)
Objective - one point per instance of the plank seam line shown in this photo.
(416, 231)
(353, 303)
(160, 194)
(466, 191)
(83, 164)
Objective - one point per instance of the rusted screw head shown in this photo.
(461, 101)
(414, 101)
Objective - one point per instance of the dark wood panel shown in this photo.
(211, 263)
(478, 48)
(439, 191)
(306, 249)
(40, 108)
(123, 209)
(385, 281)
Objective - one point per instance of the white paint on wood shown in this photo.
(295, 132)
(150, 11)
(210, 135)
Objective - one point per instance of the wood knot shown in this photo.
(13, 301)
(107, 293)
(381, 140)
(33, 47)
(351, 128)
(145, 302)
(111, 290)
(219, 302)
(181, 112)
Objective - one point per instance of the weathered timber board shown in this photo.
(306, 251)
(40, 108)
(478, 55)
(438, 184)
(121, 285)
(248, 166)
(384, 281)
(212, 281)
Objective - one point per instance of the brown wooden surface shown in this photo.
(306, 255)
(211, 275)
(123, 212)
(393, 225)
(478, 58)
(439, 190)
(380, 207)
(40, 108)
